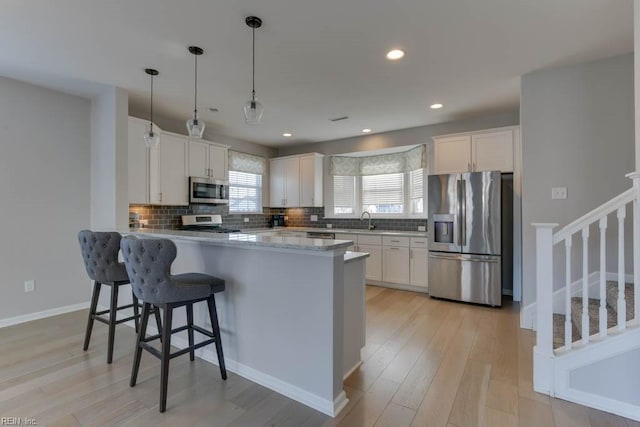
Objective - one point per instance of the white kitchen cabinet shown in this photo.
(452, 154)
(168, 172)
(374, 261)
(395, 264)
(284, 180)
(492, 151)
(138, 187)
(474, 152)
(418, 265)
(352, 237)
(311, 180)
(207, 160)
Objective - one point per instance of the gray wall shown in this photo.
(45, 192)
(577, 127)
(398, 138)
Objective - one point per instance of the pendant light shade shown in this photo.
(151, 138)
(195, 125)
(253, 109)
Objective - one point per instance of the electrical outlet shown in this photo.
(558, 193)
(329, 225)
(246, 220)
(286, 217)
(144, 222)
(29, 285)
(314, 218)
(422, 228)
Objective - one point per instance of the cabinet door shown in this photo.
(198, 156)
(138, 186)
(311, 180)
(352, 237)
(374, 261)
(419, 265)
(452, 154)
(277, 177)
(493, 151)
(395, 264)
(173, 174)
(218, 161)
(292, 182)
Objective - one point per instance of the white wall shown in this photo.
(577, 126)
(109, 153)
(45, 193)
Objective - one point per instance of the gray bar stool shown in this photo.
(148, 262)
(100, 255)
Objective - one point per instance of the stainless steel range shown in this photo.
(210, 223)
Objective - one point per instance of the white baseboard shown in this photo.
(529, 311)
(352, 370)
(331, 408)
(42, 314)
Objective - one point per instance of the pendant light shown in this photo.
(253, 109)
(151, 138)
(195, 126)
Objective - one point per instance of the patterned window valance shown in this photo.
(243, 162)
(407, 161)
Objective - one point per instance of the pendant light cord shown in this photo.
(195, 98)
(253, 76)
(151, 118)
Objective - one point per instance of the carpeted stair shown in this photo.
(593, 311)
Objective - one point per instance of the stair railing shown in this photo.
(545, 241)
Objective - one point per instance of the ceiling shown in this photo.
(315, 60)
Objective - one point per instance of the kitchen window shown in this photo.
(245, 182)
(386, 185)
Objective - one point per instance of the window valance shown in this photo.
(243, 162)
(406, 161)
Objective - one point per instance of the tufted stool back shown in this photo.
(100, 255)
(148, 263)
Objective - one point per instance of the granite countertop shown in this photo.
(350, 256)
(342, 230)
(244, 239)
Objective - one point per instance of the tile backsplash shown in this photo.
(168, 217)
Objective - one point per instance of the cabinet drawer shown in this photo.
(418, 242)
(367, 239)
(395, 241)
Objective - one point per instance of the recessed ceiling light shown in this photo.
(287, 134)
(436, 106)
(366, 130)
(395, 54)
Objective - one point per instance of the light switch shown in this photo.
(314, 218)
(558, 193)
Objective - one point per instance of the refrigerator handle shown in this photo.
(463, 217)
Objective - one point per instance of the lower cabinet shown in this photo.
(395, 265)
(374, 262)
(419, 262)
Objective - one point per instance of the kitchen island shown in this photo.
(292, 314)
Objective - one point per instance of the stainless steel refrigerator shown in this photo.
(465, 237)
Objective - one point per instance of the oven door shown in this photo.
(209, 191)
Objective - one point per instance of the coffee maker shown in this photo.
(277, 220)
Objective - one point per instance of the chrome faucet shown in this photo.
(370, 226)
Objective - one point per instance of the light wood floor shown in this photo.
(427, 363)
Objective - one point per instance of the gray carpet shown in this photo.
(593, 310)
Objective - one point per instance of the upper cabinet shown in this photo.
(296, 181)
(168, 171)
(138, 163)
(474, 152)
(207, 160)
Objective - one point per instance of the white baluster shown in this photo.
(543, 351)
(622, 306)
(635, 176)
(603, 277)
(568, 339)
(585, 285)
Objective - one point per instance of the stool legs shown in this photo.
(112, 321)
(213, 315)
(156, 312)
(190, 330)
(92, 313)
(166, 355)
(136, 314)
(141, 335)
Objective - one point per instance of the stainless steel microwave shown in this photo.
(209, 191)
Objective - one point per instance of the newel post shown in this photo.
(543, 350)
(635, 176)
